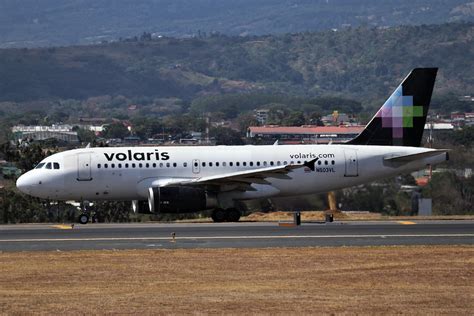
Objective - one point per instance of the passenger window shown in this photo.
(258, 163)
(168, 165)
(40, 165)
(271, 163)
(278, 163)
(333, 162)
(147, 165)
(140, 165)
(196, 164)
(175, 164)
(106, 165)
(319, 162)
(120, 165)
(265, 163)
(98, 166)
(237, 163)
(126, 165)
(224, 164)
(185, 164)
(161, 165)
(154, 165)
(48, 165)
(203, 164)
(112, 165)
(285, 162)
(231, 163)
(210, 164)
(56, 165)
(133, 165)
(217, 164)
(326, 162)
(251, 164)
(244, 163)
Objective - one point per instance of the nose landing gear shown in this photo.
(84, 218)
(87, 211)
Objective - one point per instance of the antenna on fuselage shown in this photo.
(88, 145)
(276, 143)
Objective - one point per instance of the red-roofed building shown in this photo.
(304, 134)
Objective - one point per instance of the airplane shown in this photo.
(177, 179)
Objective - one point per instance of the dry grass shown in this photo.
(376, 280)
(346, 216)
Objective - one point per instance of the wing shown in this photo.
(244, 179)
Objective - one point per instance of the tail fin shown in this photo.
(401, 120)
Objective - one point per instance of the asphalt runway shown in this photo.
(28, 237)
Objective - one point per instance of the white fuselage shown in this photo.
(126, 173)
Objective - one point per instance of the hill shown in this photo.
(359, 63)
(65, 22)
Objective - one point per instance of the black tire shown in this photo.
(218, 215)
(83, 219)
(233, 215)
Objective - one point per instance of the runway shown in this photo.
(26, 237)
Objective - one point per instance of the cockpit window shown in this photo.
(56, 165)
(48, 165)
(40, 165)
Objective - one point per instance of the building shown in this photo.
(262, 116)
(59, 132)
(336, 118)
(439, 127)
(304, 134)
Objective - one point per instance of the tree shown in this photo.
(226, 136)
(30, 156)
(86, 136)
(294, 119)
(115, 130)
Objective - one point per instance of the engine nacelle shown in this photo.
(180, 199)
(141, 207)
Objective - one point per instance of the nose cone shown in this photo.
(24, 183)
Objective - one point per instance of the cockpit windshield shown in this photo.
(48, 165)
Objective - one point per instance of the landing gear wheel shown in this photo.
(218, 215)
(233, 215)
(83, 219)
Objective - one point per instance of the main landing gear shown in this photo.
(220, 215)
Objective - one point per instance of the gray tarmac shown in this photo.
(28, 237)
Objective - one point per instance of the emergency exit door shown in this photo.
(84, 167)
(352, 164)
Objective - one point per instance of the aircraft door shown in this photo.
(352, 164)
(196, 166)
(84, 167)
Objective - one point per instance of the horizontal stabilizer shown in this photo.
(413, 157)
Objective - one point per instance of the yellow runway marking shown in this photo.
(407, 223)
(62, 226)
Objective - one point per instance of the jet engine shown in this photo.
(141, 207)
(180, 199)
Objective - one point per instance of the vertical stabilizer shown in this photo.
(401, 120)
